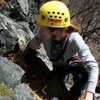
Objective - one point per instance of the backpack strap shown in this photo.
(65, 46)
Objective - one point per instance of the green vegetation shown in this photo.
(5, 90)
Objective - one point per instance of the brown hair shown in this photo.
(75, 26)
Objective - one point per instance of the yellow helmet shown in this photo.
(53, 14)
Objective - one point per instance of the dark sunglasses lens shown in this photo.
(53, 29)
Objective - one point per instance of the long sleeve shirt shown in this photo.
(75, 46)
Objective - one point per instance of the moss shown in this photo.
(5, 90)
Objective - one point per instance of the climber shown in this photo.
(64, 45)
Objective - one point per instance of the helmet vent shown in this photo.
(53, 12)
(58, 12)
(66, 19)
(55, 16)
(59, 16)
(48, 12)
(50, 16)
(43, 17)
(62, 13)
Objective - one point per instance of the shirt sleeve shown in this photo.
(79, 46)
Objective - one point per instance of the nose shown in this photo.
(56, 33)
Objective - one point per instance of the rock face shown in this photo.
(11, 75)
(21, 92)
(24, 6)
(13, 33)
(17, 23)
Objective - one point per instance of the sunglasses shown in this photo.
(50, 29)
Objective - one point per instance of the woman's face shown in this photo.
(58, 34)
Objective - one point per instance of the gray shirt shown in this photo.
(76, 46)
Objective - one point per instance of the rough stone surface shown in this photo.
(21, 92)
(10, 73)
